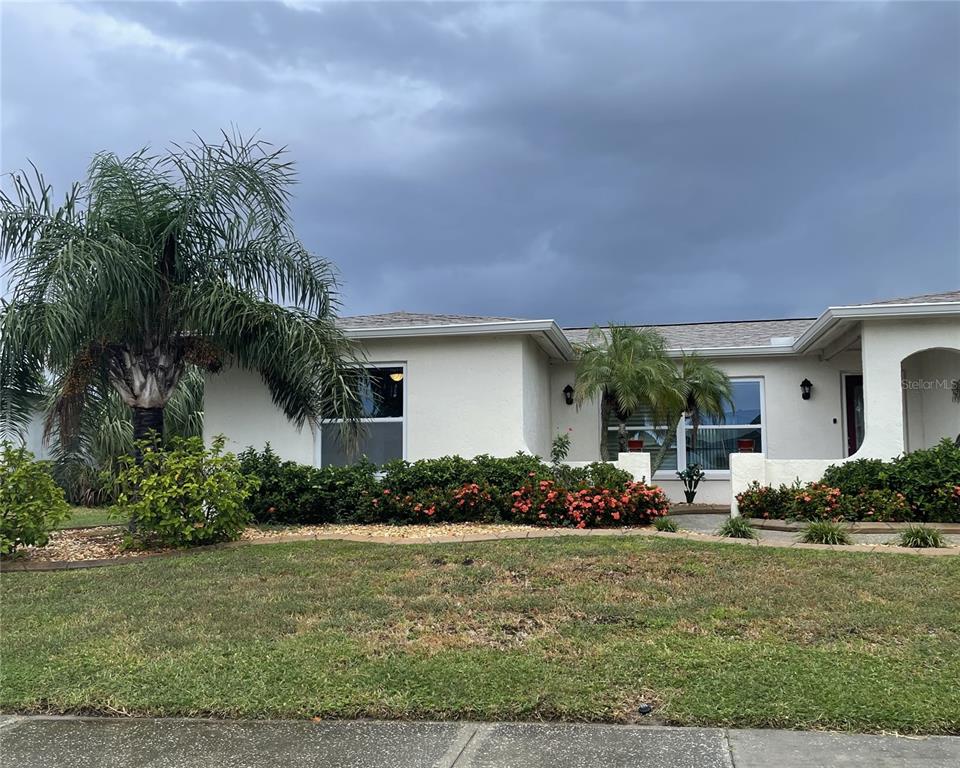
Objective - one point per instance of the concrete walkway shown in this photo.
(710, 524)
(63, 742)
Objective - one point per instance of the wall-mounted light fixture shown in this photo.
(568, 395)
(805, 389)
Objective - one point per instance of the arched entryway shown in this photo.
(931, 397)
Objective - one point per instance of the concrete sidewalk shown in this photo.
(64, 742)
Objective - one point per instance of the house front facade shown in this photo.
(859, 380)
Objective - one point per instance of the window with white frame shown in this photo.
(383, 417)
(739, 431)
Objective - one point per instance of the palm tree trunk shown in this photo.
(147, 425)
(657, 459)
(622, 437)
(604, 432)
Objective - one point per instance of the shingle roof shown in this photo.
(924, 298)
(414, 319)
(740, 333)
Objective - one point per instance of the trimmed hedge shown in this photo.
(923, 486)
(520, 488)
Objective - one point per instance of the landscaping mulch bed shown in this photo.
(106, 542)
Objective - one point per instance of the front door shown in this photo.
(853, 405)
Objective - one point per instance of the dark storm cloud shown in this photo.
(588, 162)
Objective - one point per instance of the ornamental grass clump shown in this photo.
(737, 528)
(826, 532)
(921, 537)
(666, 525)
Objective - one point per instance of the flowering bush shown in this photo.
(763, 501)
(816, 501)
(880, 506)
(546, 503)
(944, 506)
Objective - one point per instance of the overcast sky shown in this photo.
(586, 162)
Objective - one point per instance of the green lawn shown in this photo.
(87, 516)
(576, 629)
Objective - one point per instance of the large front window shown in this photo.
(383, 417)
(739, 431)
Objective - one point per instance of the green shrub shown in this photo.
(853, 477)
(289, 492)
(825, 532)
(184, 494)
(876, 506)
(31, 503)
(920, 536)
(763, 501)
(815, 501)
(928, 478)
(737, 528)
(548, 503)
(666, 524)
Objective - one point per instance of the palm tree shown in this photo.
(628, 369)
(154, 264)
(699, 390)
(82, 463)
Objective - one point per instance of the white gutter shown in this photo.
(548, 328)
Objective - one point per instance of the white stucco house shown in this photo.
(881, 380)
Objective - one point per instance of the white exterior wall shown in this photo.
(582, 423)
(462, 395)
(237, 404)
(537, 400)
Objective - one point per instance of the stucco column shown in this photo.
(637, 464)
(882, 394)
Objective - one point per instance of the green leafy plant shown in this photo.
(921, 536)
(853, 477)
(547, 503)
(927, 478)
(691, 477)
(815, 501)
(764, 501)
(185, 494)
(825, 532)
(882, 505)
(31, 503)
(737, 528)
(666, 524)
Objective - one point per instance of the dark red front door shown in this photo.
(853, 400)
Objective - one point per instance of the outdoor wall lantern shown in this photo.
(568, 394)
(805, 389)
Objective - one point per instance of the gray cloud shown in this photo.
(589, 162)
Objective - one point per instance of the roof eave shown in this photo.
(834, 315)
(556, 343)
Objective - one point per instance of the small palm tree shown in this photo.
(158, 264)
(698, 390)
(628, 369)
